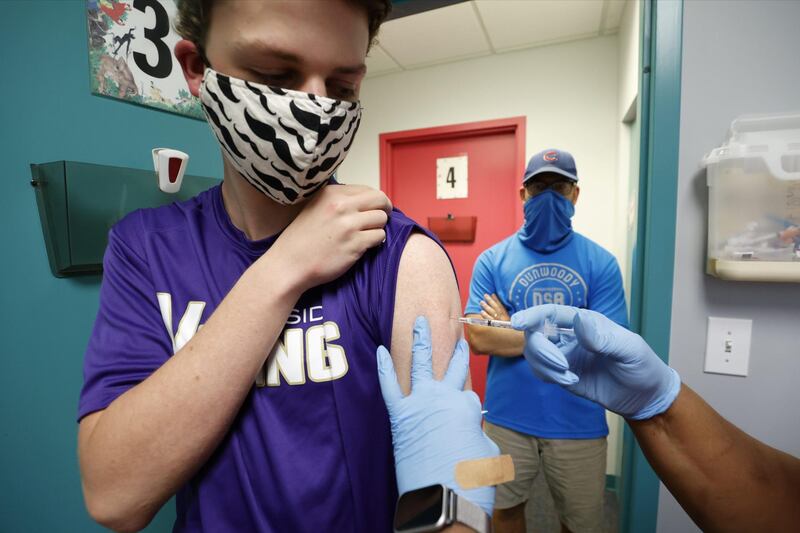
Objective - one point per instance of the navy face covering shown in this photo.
(548, 224)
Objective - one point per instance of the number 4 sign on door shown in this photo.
(451, 177)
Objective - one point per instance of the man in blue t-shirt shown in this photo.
(543, 427)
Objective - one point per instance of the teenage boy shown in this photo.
(232, 362)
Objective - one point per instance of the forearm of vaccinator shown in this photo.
(140, 450)
(495, 341)
(722, 477)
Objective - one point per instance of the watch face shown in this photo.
(420, 508)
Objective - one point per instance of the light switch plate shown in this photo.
(728, 346)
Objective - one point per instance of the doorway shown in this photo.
(493, 156)
(602, 79)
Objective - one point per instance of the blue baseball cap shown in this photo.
(551, 160)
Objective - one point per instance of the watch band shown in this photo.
(471, 515)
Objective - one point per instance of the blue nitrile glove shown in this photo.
(438, 425)
(604, 363)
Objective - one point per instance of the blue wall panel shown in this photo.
(47, 113)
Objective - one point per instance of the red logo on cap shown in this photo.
(550, 156)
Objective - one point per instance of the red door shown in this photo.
(495, 153)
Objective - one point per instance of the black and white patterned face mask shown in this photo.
(287, 144)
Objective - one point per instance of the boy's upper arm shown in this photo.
(129, 340)
(426, 285)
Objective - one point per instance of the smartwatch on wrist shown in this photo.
(436, 507)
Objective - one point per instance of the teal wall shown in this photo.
(47, 113)
(654, 254)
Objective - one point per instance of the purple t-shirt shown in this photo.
(310, 449)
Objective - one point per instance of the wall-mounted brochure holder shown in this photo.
(754, 201)
(79, 202)
(453, 228)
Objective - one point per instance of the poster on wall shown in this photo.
(131, 55)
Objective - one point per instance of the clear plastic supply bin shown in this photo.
(754, 200)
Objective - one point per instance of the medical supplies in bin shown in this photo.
(754, 200)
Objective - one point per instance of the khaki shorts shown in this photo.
(575, 471)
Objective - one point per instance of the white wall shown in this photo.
(628, 36)
(628, 83)
(568, 93)
(738, 57)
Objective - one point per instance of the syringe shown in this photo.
(551, 330)
(483, 322)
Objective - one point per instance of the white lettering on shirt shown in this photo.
(188, 324)
(296, 353)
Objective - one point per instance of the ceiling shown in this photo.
(483, 27)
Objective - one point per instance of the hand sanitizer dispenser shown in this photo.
(170, 166)
(754, 200)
